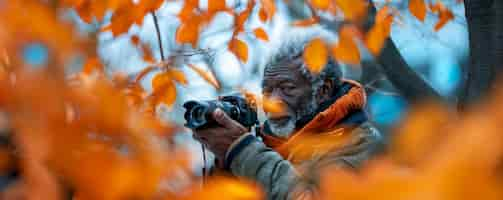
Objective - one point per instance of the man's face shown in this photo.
(286, 84)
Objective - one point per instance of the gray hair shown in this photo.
(291, 46)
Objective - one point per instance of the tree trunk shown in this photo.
(485, 28)
(398, 72)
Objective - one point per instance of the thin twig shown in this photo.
(156, 23)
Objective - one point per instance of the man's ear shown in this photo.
(326, 90)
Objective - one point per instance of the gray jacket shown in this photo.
(280, 179)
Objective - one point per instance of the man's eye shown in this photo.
(288, 87)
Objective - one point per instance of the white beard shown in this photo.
(288, 128)
(283, 131)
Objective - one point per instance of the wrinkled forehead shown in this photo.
(286, 70)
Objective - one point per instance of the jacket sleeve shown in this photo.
(250, 158)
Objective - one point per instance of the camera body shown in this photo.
(198, 114)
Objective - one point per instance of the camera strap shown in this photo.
(203, 149)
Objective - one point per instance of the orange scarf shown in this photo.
(325, 127)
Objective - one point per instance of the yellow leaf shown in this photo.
(377, 36)
(346, 49)
(316, 55)
(239, 48)
(261, 34)
(418, 9)
(207, 76)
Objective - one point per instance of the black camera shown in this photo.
(198, 114)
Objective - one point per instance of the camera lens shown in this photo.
(198, 116)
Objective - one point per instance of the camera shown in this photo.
(198, 114)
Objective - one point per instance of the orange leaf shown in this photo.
(98, 9)
(207, 76)
(188, 9)
(143, 73)
(164, 90)
(84, 12)
(72, 3)
(135, 40)
(189, 32)
(261, 34)
(355, 10)
(135, 94)
(267, 11)
(418, 9)
(320, 4)
(91, 65)
(216, 6)
(147, 54)
(151, 5)
(271, 105)
(346, 50)
(243, 16)
(232, 188)
(306, 22)
(165, 93)
(106, 28)
(177, 75)
(316, 55)
(160, 80)
(239, 48)
(445, 15)
(123, 18)
(377, 36)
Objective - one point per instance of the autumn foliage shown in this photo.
(95, 135)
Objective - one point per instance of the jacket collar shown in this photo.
(344, 109)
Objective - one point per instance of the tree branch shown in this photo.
(156, 23)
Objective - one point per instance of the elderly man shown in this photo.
(322, 125)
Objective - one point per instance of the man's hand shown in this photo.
(219, 138)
